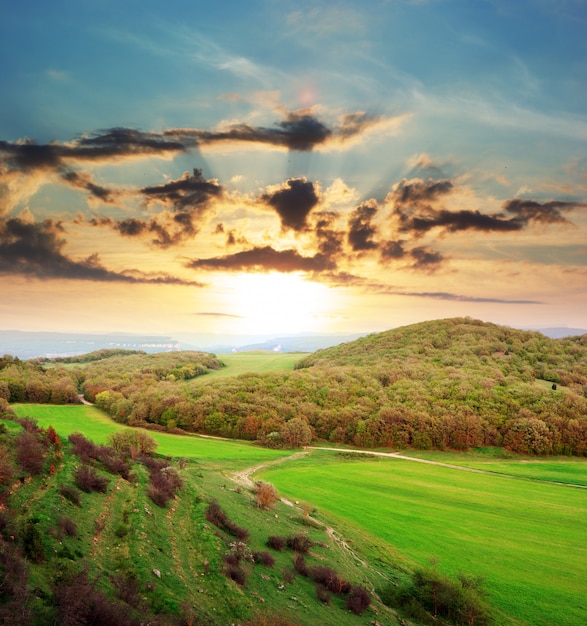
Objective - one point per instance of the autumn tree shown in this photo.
(265, 495)
(132, 442)
(296, 433)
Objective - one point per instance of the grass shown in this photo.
(258, 361)
(564, 469)
(97, 426)
(527, 540)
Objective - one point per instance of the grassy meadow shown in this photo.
(526, 539)
(97, 426)
(257, 361)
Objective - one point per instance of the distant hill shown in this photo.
(30, 345)
(454, 383)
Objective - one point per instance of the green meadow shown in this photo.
(527, 540)
(257, 361)
(97, 426)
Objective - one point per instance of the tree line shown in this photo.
(448, 384)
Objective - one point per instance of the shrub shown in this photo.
(32, 543)
(236, 573)
(88, 480)
(323, 594)
(358, 600)
(328, 578)
(276, 543)
(30, 452)
(299, 543)
(66, 525)
(215, 515)
(264, 558)
(132, 442)
(300, 565)
(70, 493)
(265, 495)
(82, 447)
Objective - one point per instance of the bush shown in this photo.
(30, 453)
(276, 543)
(66, 525)
(132, 442)
(300, 565)
(215, 515)
(82, 447)
(70, 493)
(358, 600)
(265, 495)
(299, 543)
(264, 558)
(32, 543)
(323, 594)
(88, 480)
(236, 573)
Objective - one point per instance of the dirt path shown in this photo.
(462, 468)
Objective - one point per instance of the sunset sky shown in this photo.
(271, 167)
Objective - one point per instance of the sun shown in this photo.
(280, 303)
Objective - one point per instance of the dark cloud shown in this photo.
(187, 200)
(189, 191)
(526, 211)
(298, 131)
(293, 202)
(361, 230)
(425, 259)
(329, 240)
(84, 181)
(392, 250)
(442, 295)
(457, 221)
(417, 192)
(264, 259)
(36, 250)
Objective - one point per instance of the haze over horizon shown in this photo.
(271, 168)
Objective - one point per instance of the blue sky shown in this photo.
(272, 167)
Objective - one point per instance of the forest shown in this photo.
(446, 384)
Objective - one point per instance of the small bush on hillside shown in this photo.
(215, 515)
(88, 480)
(67, 526)
(30, 452)
(82, 447)
(236, 573)
(264, 558)
(70, 493)
(32, 542)
(300, 565)
(323, 594)
(299, 543)
(265, 495)
(276, 543)
(358, 600)
(132, 442)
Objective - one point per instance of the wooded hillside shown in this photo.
(446, 384)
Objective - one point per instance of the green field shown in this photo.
(527, 540)
(257, 361)
(97, 426)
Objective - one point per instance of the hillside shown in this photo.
(446, 384)
(95, 534)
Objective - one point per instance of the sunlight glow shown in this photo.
(280, 303)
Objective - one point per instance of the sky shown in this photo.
(267, 168)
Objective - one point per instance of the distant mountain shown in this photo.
(30, 345)
(558, 332)
(309, 343)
